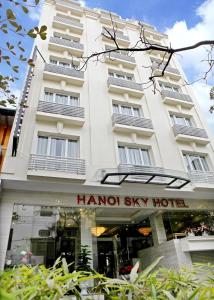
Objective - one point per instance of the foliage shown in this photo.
(162, 284)
(84, 259)
(12, 50)
(37, 282)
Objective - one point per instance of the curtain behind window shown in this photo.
(42, 145)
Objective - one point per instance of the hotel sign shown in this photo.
(126, 201)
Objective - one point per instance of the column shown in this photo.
(6, 211)
(158, 230)
(87, 222)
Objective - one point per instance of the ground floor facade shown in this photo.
(119, 227)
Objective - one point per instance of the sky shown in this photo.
(185, 21)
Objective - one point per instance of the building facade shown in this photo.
(95, 159)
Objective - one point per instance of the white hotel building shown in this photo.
(95, 159)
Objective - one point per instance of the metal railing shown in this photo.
(57, 164)
(176, 95)
(64, 71)
(118, 35)
(68, 22)
(125, 83)
(188, 130)
(202, 177)
(63, 42)
(119, 56)
(168, 68)
(61, 109)
(131, 121)
(72, 4)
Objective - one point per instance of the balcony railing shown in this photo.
(119, 36)
(119, 56)
(176, 97)
(71, 23)
(73, 6)
(66, 43)
(57, 164)
(124, 83)
(188, 130)
(107, 19)
(62, 109)
(171, 70)
(59, 70)
(69, 3)
(131, 121)
(201, 177)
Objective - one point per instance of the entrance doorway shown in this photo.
(106, 257)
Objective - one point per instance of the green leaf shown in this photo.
(30, 63)
(10, 14)
(19, 28)
(14, 24)
(22, 58)
(36, 2)
(43, 35)
(5, 57)
(43, 28)
(148, 270)
(25, 9)
(32, 34)
(9, 46)
(169, 295)
(15, 69)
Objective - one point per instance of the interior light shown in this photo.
(97, 231)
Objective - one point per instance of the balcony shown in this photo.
(120, 37)
(72, 6)
(107, 19)
(58, 44)
(59, 112)
(174, 98)
(171, 179)
(122, 86)
(190, 134)
(129, 124)
(202, 179)
(56, 167)
(58, 73)
(64, 23)
(153, 34)
(116, 58)
(173, 73)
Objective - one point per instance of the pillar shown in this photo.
(158, 230)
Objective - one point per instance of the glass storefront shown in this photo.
(116, 237)
(188, 223)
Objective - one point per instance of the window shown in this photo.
(126, 110)
(134, 156)
(62, 63)
(42, 145)
(169, 87)
(179, 120)
(46, 211)
(53, 61)
(44, 232)
(61, 99)
(121, 76)
(195, 162)
(57, 147)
